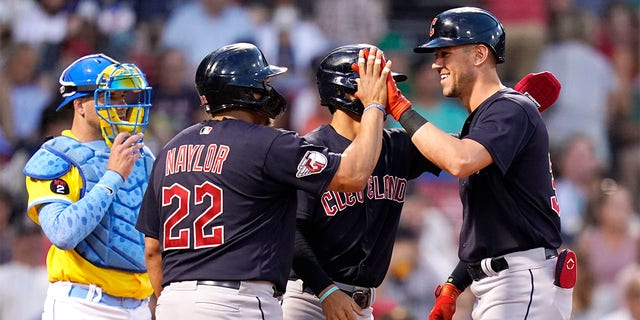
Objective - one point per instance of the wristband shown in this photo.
(328, 292)
(375, 105)
(411, 121)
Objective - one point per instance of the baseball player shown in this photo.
(219, 213)
(344, 241)
(85, 188)
(511, 227)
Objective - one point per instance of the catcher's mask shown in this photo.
(101, 76)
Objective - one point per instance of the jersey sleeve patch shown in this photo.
(59, 186)
(313, 162)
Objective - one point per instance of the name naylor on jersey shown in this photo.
(196, 158)
(390, 188)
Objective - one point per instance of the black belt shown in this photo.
(225, 283)
(231, 284)
(499, 264)
(362, 297)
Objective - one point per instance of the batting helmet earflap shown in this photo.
(229, 76)
(336, 79)
(465, 25)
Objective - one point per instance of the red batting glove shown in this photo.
(445, 305)
(397, 104)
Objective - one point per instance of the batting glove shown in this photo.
(445, 305)
(397, 104)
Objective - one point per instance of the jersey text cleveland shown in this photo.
(391, 188)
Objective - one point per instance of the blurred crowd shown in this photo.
(592, 46)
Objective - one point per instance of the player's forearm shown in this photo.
(67, 224)
(153, 259)
(459, 157)
(460, 277)
(306, 264)
(360, 157)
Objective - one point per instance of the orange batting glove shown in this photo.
(397, 104)
(445, 305)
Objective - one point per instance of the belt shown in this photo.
(127, 303)
(231, 284)
(226, 284)
(361, 295)
(491, 266)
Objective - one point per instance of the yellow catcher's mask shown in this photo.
(126, 78)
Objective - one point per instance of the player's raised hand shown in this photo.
(124, 153)
(445, 306)
(372, 82)
(339, 306)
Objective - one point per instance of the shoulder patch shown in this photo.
(313, 162)
(59, 186)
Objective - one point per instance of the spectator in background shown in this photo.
(293, 40)
(197, 27)
(27, 97)
(620, 42)
(396, 49)
(585, 101)
(6, 234)
(353, 21)
(24, 279)
(305, 111)
(629, 293)
(408, 282)
(51, 124)
(608, 244)
(116, 19)
(527, 31)
(44, 26)
(579, 172)
(6, 122)
(175, 101)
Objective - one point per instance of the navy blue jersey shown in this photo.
(222, 198)
(511, 204)
(352, 234)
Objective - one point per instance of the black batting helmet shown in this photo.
(229, 76)
(463, 26)
(337, 81)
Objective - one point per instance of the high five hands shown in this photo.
(374, 72)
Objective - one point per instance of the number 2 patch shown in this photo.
(59, 186)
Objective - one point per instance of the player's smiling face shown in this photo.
(452, 64)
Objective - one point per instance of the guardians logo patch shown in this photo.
(59, 186)
(313, 162)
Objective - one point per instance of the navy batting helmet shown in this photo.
(337, 81)
(230, 76)
(465, 25)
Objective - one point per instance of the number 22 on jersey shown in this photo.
(180, 197)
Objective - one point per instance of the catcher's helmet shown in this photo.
(99, 75)
(229, 76)
(337, 81)
(465, 25)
